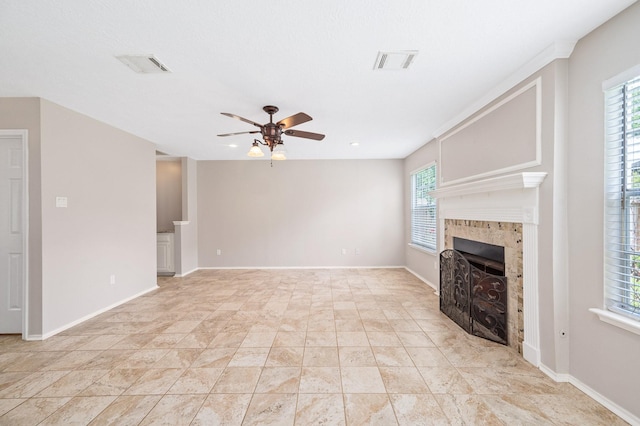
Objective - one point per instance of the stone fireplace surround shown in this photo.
(512, 201)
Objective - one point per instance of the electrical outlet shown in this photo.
(344, 251)
(112, 279)
(357, 252)
(219, 252)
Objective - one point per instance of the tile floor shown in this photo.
(258, 347)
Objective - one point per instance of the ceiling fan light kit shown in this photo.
(255, 150)
(272, 132)
(279, 153)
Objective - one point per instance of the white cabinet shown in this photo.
(165, 253)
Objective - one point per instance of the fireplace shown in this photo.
(502, 210)
(473, 288)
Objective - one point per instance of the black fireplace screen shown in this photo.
(473, 299)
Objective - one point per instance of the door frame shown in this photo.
(23, 135)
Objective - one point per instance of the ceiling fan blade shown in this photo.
(294, 120)
(237, 117)
(239, 133)
(301, 134)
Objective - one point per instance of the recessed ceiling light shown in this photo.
(355, 144)
(232, 145)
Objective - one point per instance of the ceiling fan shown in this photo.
(272, 132)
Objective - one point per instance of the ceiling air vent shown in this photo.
(144, 64)
(398, 60)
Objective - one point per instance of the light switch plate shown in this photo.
(61, 201)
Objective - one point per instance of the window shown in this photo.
(423, 208)
(622, 199)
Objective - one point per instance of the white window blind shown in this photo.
(622, 199)
(423, 208)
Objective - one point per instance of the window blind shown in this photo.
(423, 208)
(622, 198)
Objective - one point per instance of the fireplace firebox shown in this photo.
(473, 288)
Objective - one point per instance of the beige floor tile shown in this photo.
(174, 410)
(289, 338)
(383, 338)
(467, 409)
(9, 404)
(223, 409)
(279, 380)
(32, 411)
(196, 381)
(30, 385)
(361, 380)
(427, 357)
(72, 383)
(115, 382)
(271, 409)
(237, 380)
(352, 338)
(126, 410)
(79, 410)
(320, 380)
(361, 356)
(321, 356)
(285, 357)
(350, 346)
(418, 409)
(249, 357)
(155, 381)
(321, 338)
(369, 409)
(392, 356)
(415, 338)
(320, 409)
(403, 380)
(258, 339)
(210, 358)
(445, 380)
(228, 340)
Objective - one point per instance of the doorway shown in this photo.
(13, 231)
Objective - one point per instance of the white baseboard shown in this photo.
(532, 355)
(91, 315)
(297, 267)
(610, 405)
(615, 408)
(424, 280)
(186, 273)
(32, 337)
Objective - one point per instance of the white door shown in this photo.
(12, 256)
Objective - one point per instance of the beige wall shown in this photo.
(168, 193)
(108, 228)
(603, 357)
(187, 233)
(108, 177)
(300, 213)
(421, 263)
(24, 113)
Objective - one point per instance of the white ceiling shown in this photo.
(311, 56)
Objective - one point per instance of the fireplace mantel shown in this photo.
(524, 180)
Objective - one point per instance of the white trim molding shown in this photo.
(557, 50)
(617, 320)
(526, 163)
(509, 198)
(524, 180)
(94, 314)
